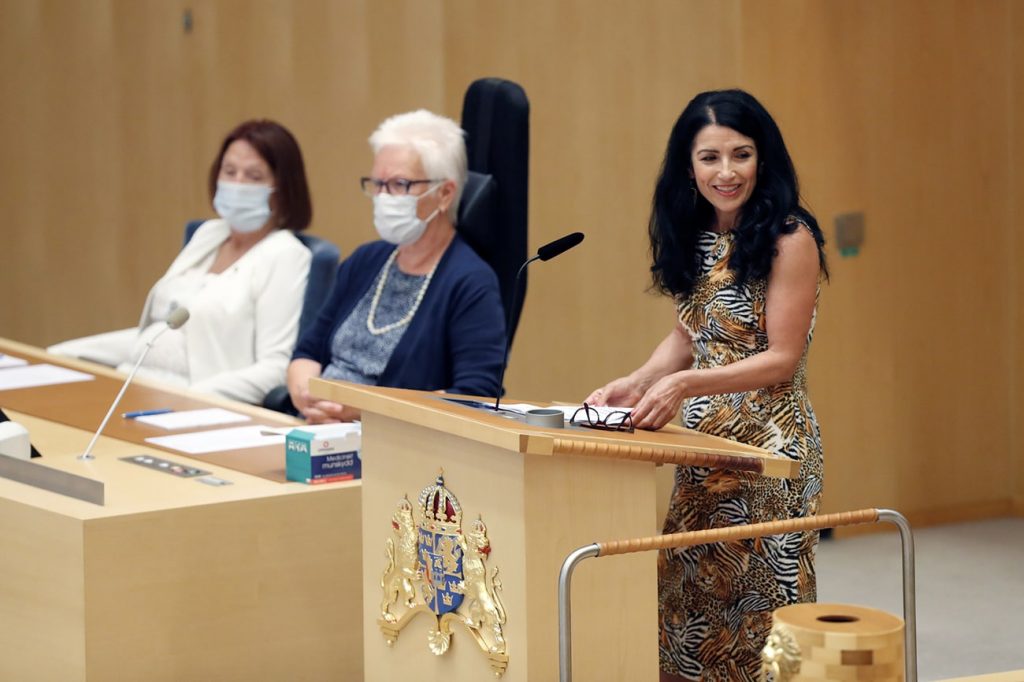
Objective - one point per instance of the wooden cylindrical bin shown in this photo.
(819, 642)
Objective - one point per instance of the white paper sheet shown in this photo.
(522, 408)
(39, 375)
(190, 419)
(11, 361)
(569, 410)
(200, 442)
(350, 427)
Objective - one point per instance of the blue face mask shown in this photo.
(245, 207)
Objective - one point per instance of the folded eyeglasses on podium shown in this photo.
(591, 417)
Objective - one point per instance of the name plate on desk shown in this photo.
(54, 480)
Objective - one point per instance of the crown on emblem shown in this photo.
(440, 507)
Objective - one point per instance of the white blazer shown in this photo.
(242, 326)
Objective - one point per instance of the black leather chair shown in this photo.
(492, 215)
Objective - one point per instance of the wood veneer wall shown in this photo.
(1014, 308)
(112, 114)
(905, 111)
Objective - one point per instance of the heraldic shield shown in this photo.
(435, 568)
(441, 553)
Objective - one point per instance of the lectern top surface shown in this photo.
(669, 445)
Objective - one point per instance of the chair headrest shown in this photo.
(320, 248)
(478, 215)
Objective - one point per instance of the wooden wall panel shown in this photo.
(910, 369)
(1014, 308)
(606, 84)
(82, 180)
(812, 90)
(111, 113)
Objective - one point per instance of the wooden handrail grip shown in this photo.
(754, 530)
(568, 446)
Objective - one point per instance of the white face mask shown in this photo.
(395, 217)
(244, 206)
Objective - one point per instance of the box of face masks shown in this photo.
(323, 453)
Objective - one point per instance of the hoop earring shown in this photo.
(693, 192)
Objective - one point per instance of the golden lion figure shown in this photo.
(780, 656)
(403, 567)
(482, 609)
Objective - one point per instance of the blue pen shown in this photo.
(145, 413)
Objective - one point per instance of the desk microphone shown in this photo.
(546, 252)
(178, 317)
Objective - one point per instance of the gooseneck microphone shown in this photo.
(546, 252)
(556, 248)
(178, 317)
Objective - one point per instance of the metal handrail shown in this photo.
(754, 530)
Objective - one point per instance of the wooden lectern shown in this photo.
(460, 575)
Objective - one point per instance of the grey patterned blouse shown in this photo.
(360, 356)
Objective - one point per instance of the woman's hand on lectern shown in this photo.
(622, 392)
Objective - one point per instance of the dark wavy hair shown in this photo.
(293, 209)
(679, 213)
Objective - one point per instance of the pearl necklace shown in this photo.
(373, 328)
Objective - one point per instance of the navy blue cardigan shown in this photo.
(456, 340)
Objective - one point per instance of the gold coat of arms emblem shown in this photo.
(434, 568)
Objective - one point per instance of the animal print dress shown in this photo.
(716, 601)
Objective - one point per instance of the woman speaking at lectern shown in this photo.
(742, 260)
(417, 308)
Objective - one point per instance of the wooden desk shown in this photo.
(171, 579)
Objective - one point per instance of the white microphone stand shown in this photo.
(172, 323)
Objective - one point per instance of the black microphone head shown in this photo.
(559, 246)
(178, 317)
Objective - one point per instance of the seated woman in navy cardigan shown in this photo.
(418, 309)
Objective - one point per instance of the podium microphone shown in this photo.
(546, 252)
(178, 317)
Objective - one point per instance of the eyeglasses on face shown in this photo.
(590, 417)
(397, 186)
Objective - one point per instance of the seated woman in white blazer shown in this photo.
(242, 278)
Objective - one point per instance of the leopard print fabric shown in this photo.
(716, 601)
